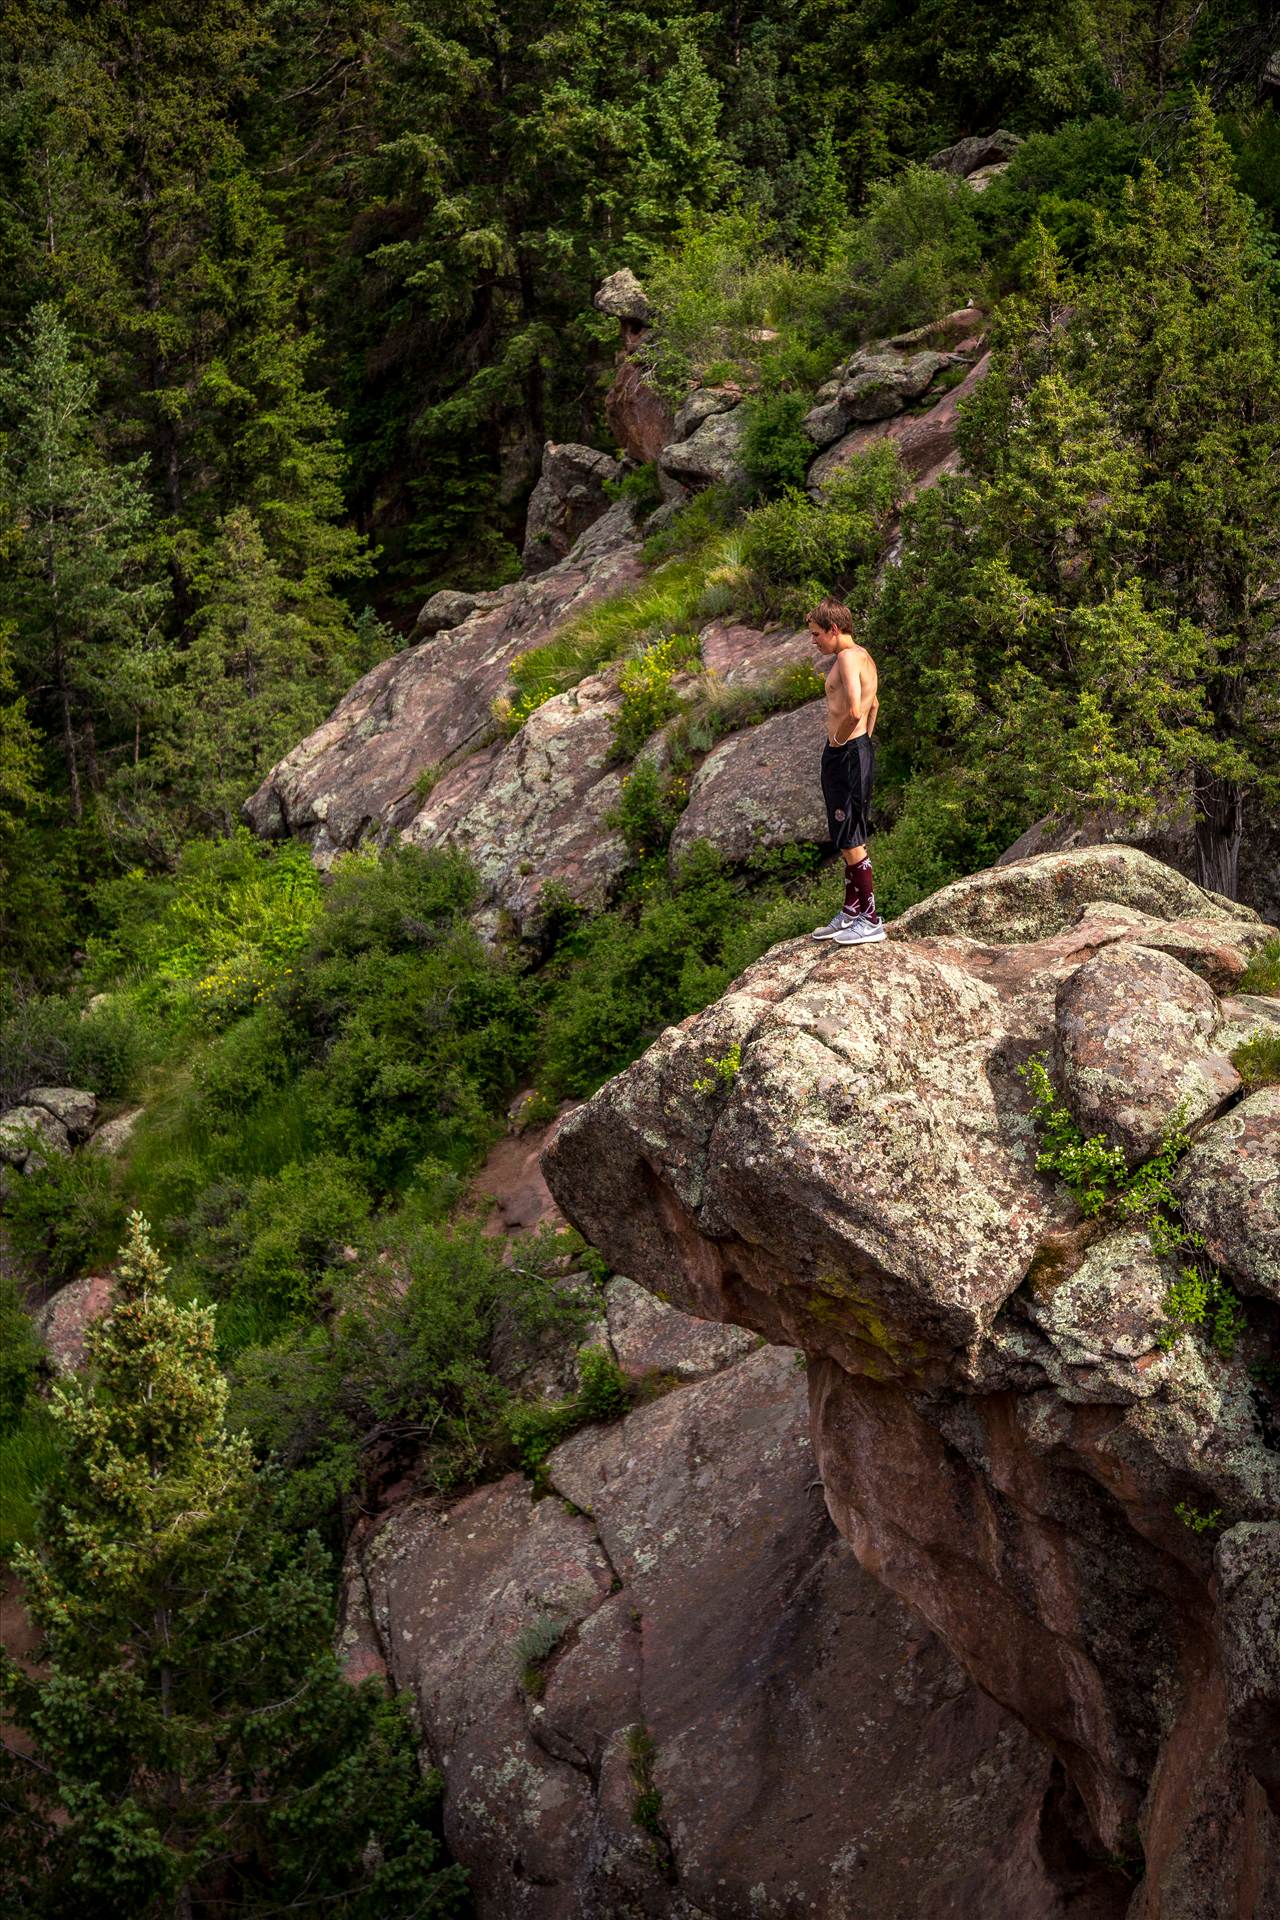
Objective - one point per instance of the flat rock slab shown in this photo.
(1135, 1043)
(431, 704)
(647, 1336)
(1229, 1187)
(758, 789)
(536, 810)
(1031, 899)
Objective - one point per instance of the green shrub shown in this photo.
(30, 1452)
(797, 549)
(534, 1645)
(916, 253)
(1257, 1060)
(1262, 975)
(66, 1218)
(52, 1041)
(694, 526)
(21, 1354)
(648, 807)
(776, 450)
(537, 1428)
(647, 696)
(641, 486)
(1204, 1301)
(1063, 179)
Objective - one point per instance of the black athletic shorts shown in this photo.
(847, 774)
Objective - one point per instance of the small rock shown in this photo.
(114, 1135)
(979, 150)
(623, 298)
(443, 611)
(981, 178)
(65, 1320)
(26, 1133)
(700, 405)
(825, 424)
(1102, 1318)
(72, 1105)
(1135, 1042)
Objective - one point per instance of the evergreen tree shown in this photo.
(1089, 620)
(82, 602)
(195, 1747)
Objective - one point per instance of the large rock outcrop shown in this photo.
(729, 1719)
(1010, 1431)
(429, 707)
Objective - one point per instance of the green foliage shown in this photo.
(1257, 1059)
(21, 1354)
(647, 696)
(1198, 1522)
(537, 1428)
(54, 1042)
(1090, 1169)
(776, 450)
(724, 1071)
(1203, 1300)
(915, 254)
(234, 1762)
(534, 1645)
(65, 1218)
(646, 1808)
(1066, 180)
(31, 1451)
(797, 550)
(1262, 975)
(640, 485)
(694, 526)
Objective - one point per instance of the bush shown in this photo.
(797, 550)
(776, 450)
(1262, 975)
(52, 1041)
(30, 1452)
(68, 1217)
(641, 486)
(915, 254)
(21, 1354)
(537, 1429)
(1063, 179)
(648, 807)
(647, 696)
(694, 526)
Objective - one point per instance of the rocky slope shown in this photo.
(1087, 1514)
(735, 1719)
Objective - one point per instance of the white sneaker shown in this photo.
(859, 932)
(835, 925)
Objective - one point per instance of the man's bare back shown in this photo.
(852, 703)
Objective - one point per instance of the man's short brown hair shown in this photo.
(832, 613)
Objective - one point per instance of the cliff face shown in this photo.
(1084, 1508)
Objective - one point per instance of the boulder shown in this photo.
(980, 179)
(801, 1737)
(700, 404)
(28, 1135)
(638, 416)
(1229, 1190)
(623, 297)
(758, 789)
(74, 1106)
(977, 150)
(444, 610)
(568, 498)
(536, 809)
(114, 1135)
(431, 705)
(65, 1319)
(1006, 1433)
(647, 1336)
(712, 454)
(1031, 899)
(1247, 1560)
(950, 334)
(1135, 1046)
(742, 655)
(925, 441)
(878, 384)
(826, 423)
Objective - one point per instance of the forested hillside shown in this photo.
(294, 298)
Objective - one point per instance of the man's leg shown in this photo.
(853, 858)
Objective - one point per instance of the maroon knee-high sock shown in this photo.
(859, 888)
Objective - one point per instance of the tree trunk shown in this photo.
(1219, 829)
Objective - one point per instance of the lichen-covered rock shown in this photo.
(74, 1106)
(623, 297)
(1229, 1190)
(1011, 1431)
(826, 423)
(1135, 1045)
(878, 384)
(976, 150)
(536, 810)
(925, 441)
(431, 705)
(699, 405)
(568, 498)
(758, 789)
(446, 609)
(114, 1135)
(743, 655)
(28, 1134)
(1031, 899)
(647, 1336)
(712, 454)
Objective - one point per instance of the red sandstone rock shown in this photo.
(66, 1318)
(639, 418)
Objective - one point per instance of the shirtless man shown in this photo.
(848, 767)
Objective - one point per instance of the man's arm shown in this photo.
(872, 712)
(851, 680)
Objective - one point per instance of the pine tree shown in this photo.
(81, 596)
(195, 1748)
(1088, 621)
